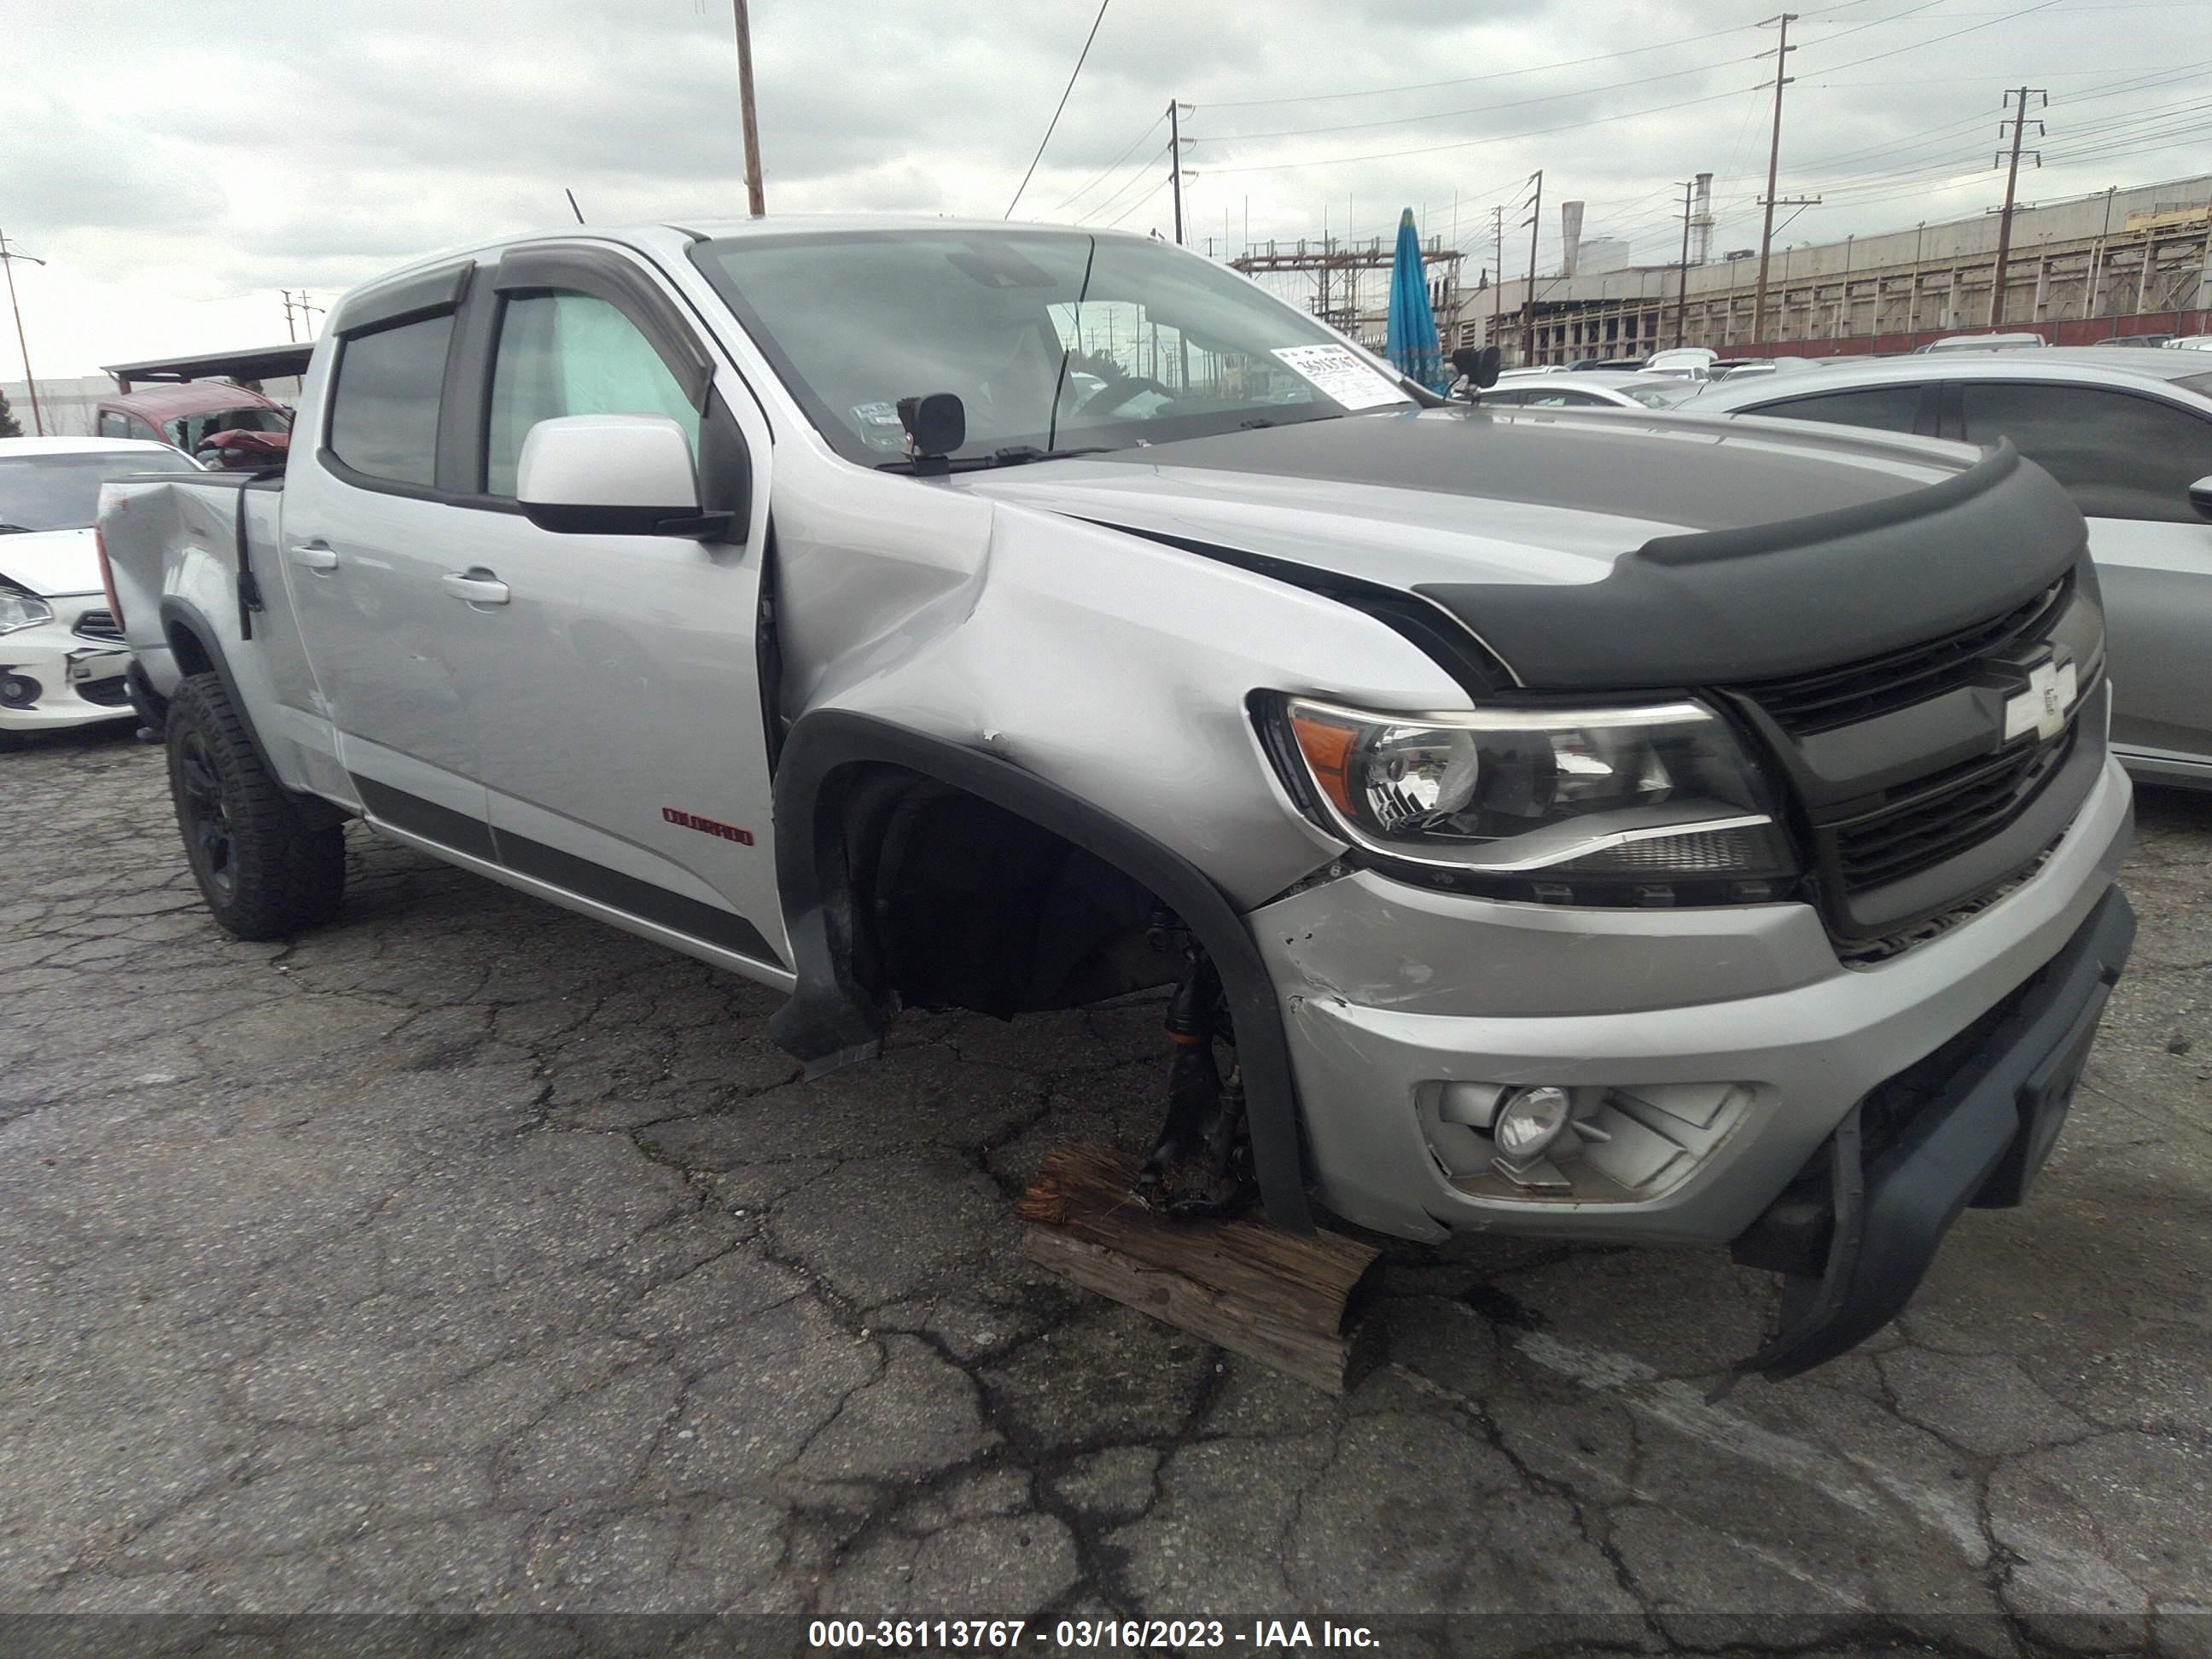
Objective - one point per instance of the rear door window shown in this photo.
(1885, 408)
(384, 407)
(2121, 456)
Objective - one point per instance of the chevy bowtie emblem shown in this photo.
(2043, 707)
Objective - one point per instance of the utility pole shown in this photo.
(1528, 301)
(1175, 162)
(1682, 290)
(2018, 122)
(1912, 299)
(1782, 51)
(756, 199)
(306, 311)
(2095, 288)
(1497, 269)
(8, 258)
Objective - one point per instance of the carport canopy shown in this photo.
(252, 365)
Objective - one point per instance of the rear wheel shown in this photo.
(263, 870)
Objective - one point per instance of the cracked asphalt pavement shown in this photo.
(470, 1255)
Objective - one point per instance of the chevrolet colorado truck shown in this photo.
(1606, 825)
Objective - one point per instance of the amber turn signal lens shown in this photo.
(1327, 745)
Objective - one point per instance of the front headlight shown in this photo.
(1652, 793)
(21, 609)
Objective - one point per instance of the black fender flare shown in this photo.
(831, 1017)
(181, 613)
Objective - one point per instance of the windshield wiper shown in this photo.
(7, 529)
(1012, 455)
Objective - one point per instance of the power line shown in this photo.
(1469, 143)
(1134, 205)
(1060, 106)
(1116, 162)
(1515, 74)
(1144, 171)
(1486, 109)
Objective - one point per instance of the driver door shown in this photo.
(615, 694)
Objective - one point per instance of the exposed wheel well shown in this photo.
(191, 652)
(840, 769)
(959, 903)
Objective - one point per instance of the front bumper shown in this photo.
(1857, 1231)
(1386, 989)
(54, 676)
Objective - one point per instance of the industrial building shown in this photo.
(2143, 252)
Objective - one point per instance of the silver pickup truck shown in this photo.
(1606, 825)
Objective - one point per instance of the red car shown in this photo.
(188, 414)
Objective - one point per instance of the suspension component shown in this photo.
(1201, 1162)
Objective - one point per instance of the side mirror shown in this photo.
(613, 475)
(1480, 368)
(2200, 496)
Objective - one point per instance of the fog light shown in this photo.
(19, 690)
(1530, 1121)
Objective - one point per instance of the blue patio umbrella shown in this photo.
(1413, 339)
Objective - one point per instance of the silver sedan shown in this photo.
(2128, 433)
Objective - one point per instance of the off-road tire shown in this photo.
(265, 871)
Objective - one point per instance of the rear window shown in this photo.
(1887, 408)
(384, 405)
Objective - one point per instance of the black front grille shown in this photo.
(99, 625)
(1943, 815)
(1832, 698)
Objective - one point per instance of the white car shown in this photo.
(1596, 388)
(62, 656)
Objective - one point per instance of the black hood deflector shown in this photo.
(1789, 596)
(1795, 561)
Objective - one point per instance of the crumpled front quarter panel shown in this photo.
(1120, 669)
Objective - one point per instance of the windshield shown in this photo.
(1156, 343)
(62, 492)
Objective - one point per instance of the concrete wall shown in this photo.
(2064, 265)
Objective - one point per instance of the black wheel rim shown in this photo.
(206, 819)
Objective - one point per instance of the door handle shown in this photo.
(475, 585)
(315, 556)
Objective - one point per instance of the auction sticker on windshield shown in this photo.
(1339, 376)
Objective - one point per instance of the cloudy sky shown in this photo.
(177, 165)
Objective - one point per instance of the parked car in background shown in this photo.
(62, 656)
(2188, 343)
(1985, 343)
(1602, 389)
(187, 413)
(2138, 341)
(1738, 368)
(1532, 797)
(2130, 434)
(1687, 362)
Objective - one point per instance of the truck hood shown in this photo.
(1602, 548)
(1476, 495)
(50, 561)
